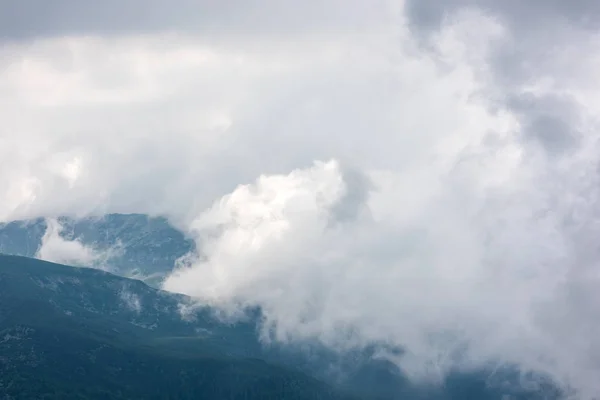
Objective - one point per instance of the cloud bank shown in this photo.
(418, 173)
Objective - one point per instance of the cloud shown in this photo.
(419, 175)
(184, 122)
(535, 66)
(37, 18)
(131, 300)
(518, 15)
(56, 248)
(457, 278)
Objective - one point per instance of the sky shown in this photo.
(418, 173)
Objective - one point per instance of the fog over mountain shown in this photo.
(415, 173)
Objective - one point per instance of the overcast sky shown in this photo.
(423, 173)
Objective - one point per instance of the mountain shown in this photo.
(130, 245)
(81, 333)
(112, 308)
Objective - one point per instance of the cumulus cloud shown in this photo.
(418, 173)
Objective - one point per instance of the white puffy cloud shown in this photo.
(359, 179)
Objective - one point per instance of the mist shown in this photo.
(415, 174)
(56, 248)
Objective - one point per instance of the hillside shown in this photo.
(81, 333)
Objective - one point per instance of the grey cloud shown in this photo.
(27, 18)
(529, 15)
(549, 120)
(538, 45)
(355, 199)
(39, 18)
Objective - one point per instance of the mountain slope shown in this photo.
(81, 333)
(112, 308)
(131, 245)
